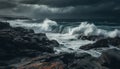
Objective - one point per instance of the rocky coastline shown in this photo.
(23, 49)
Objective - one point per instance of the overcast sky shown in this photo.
(61, 8)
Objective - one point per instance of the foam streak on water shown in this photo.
(69, 42)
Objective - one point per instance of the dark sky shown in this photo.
(61, 8)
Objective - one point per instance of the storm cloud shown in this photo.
(61, 8)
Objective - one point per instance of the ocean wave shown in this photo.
(46, 26)
(85, 28)
(66, 35)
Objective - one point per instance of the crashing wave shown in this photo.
(66, 35)
(50, 26)
(46, 26)
(87, 29)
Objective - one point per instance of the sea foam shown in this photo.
(85, 28)
(66, 35)
(46, 26)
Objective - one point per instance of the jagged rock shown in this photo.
(110, 59)
(93, 38)
(4, 25)
(103, 43)
(55, 43)
(80, 61)
(45, 65)
(19, 42)
(97, 44)
(114, 41)
(23, 49)
(72, 61)
(62, 61)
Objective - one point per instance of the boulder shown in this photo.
(93, 38)
(20, 42)
(110, 59)
(101, 43)
(98, 44)
(114, 41)
(4, 25)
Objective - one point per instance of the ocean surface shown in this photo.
(67, 32)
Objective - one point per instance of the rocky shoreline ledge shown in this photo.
(23, 49)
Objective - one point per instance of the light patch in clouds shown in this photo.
(60, 8)
(41, 11)
(45, 8)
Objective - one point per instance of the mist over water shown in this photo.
(66, 33)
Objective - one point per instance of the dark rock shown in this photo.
(23, 49)
(97, 44)
(93, 38)
(114, 41)
(23, 30)
(45, 65)
(55, 43)
(62, 61)
(110, 59)
(4, 25)
(80, 61)
(103, 43)
(19, 42)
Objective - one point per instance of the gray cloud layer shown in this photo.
(61, 8)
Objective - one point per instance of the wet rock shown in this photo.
(45, 65)
(114, 41)
(4, 25)
(93, 38)
(110, 59)
(106, 42)
(19, 42)
(62, 61)
(98, 44)
(23, 49)
(81, 61)
(70, 61)
(55, 43)
(23, 30)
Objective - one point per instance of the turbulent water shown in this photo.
(66, 33)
